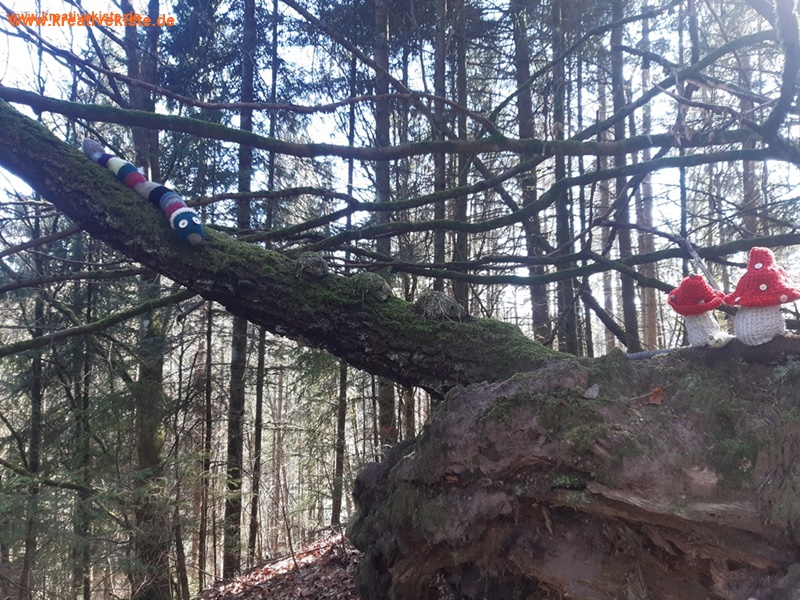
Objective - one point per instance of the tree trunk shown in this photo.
(677, 480)
(232, 556)
(540, 312)
(383, 190)
(82, 365)
(439, 159)
(277, 468)
(604, 201)
(339, 446)
(567, 328)
(253, 546)
(25, 591)
(622, 213)
(262, 285)
(645, 213)
(461, 204)
(150, 574)
(205, 477)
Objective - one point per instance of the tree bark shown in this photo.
(540, 312)
(599, 479)
(567, 328)
(339, 446)
(385, 338)
(253, 547)
(25, 589)
(461, 203)
(622, 213)
(150, 577)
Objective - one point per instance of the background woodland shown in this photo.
(555, 165)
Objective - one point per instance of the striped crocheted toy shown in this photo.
(184, 220)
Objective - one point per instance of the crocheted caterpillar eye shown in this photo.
(183, 220)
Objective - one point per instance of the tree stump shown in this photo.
(675, 476)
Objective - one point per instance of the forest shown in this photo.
(430, 308)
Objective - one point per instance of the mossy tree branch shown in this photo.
(384, 338)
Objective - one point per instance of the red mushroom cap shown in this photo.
(764, 283)
(694, 296)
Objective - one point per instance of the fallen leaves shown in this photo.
(323, 571)
(654, 397)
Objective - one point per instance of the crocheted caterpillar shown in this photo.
(184, 220)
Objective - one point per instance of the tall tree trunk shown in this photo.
(567, 329)
(540, 312)
(258, 426)
(604, 202)
(82, 365)
(150, 576)
(277, 468)
(35, 433)
(439, 160)
(205, 491)
(339, 446)
(232, 556)
(645, 212)
(386, 399)
(749, 178)
(622, 214)
(461, 204)
(409, 413)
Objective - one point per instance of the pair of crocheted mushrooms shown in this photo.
(759, 295)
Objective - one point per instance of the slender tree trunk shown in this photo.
(202, 545)
(255, 497)
(645, 213)
(232, 556)
(622, 213)
(339, 446)
(277, 469)
(567, 329)
(439, 160)
(81, 551)
(461, 204)
(604, 202)
(150, 575)
(540, 313)
(409, 412)
(383, 191)
(34, 436)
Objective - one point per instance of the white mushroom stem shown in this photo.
(758, 325)
(703, 330)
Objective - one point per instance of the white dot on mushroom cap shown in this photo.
(758, 265)
(784, 298)
(701, 301)
(737, 298)
(673, 297)
(762, 287)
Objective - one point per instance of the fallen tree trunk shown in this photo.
(386, 338)
(671, 477)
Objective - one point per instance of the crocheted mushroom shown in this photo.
(759, 295)
(695, 301)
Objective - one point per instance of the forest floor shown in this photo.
(321, 571)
